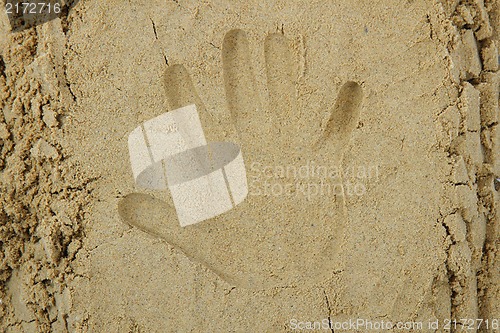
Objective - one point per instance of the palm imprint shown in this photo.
(290, 228)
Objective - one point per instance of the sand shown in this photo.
(398, 100)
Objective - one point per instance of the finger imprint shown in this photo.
(344, 116)
(179, 88)
(239, 81)
(280, 70)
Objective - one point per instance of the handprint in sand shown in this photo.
(283, 234)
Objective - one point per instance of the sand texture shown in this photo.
(398, 101)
